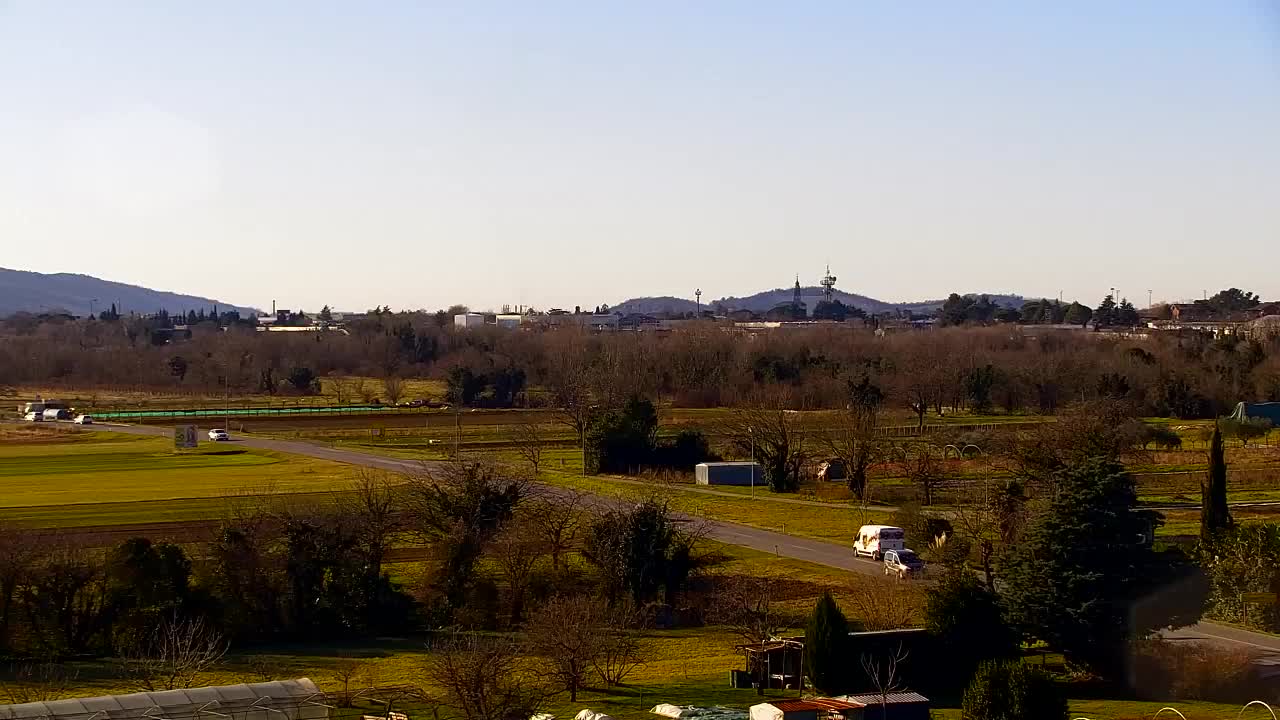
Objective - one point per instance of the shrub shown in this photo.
(1193, 671)
(1010, 690)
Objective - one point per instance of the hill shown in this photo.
(23, 291)
(764, 301)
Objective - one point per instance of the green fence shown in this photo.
(253, 412)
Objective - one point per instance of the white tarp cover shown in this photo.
(282, 700)
(589, 714)
(765, 711)
(693, 712)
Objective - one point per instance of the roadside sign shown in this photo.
(1258, 598)
(184, 436)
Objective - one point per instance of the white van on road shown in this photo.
(874, 540)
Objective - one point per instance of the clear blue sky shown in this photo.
(552, 153)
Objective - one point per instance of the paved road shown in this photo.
(789, 546)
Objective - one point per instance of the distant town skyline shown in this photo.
(553, 155)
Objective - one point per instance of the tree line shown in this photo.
(492, 554)
(987, 370)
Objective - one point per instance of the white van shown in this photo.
(873, 540)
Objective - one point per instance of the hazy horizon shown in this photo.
(574, 154)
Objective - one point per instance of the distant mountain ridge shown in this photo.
(25, 291)
(769, 299)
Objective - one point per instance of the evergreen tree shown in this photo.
(825, 638)
(1214, 513)
(1106, 312)
(1075, 578)
(967, 626)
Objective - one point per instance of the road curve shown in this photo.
(788, 546)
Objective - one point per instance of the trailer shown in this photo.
(728, 473)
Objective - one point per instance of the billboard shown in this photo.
(184, 436)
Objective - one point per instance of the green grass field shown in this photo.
(102, 479)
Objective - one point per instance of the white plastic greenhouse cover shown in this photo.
(281, 700)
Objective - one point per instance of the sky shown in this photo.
(419, 154)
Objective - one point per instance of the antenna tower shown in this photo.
(828, 285)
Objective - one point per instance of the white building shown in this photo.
(509, 321)
(468, 320)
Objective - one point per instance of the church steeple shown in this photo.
(795, 299)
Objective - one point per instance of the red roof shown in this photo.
(814, 704)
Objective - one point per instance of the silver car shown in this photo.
(903, 564)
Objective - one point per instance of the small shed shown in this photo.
(807, 709)
(776, 663)
(893, 706)
(729, 473)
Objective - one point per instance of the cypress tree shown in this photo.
(825, 637)
(1215, 516)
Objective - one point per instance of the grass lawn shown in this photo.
(107, 472)
(837, 523)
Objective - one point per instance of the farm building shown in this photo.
(893, 706)
(282, 700)
(728, 473)
(807, 709)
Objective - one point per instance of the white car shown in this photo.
(218, 435)
(33, 417)
(83, 420)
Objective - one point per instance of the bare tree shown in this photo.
(516, 550)
(621, 651)
(263, 669)
(854, 439)
(483, 679)
(529, 444)
(771, 432)
(346, 671)
(925, 470)
(377, 513)
(567, 631)
(37, 682)
(558, 521)
(342, 387)
(885, 675)
(883, 605)
(392, 389)
(991, 516)
(745, 605)
(174, 654)
(363, 390)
